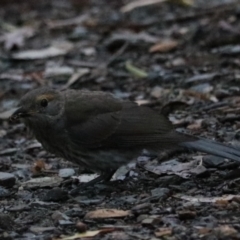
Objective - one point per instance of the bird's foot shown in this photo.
(102, 178)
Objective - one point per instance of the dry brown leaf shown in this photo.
(107, 213)
(39, 165)
(203, 230)
(197, 95)
(195, 125)
(164, 46)
(226, 231)
(222, 202)
(88, 234)
(163, 232)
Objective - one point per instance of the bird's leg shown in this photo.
(104, 177)
(167, 154)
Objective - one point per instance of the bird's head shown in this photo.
(42, 103)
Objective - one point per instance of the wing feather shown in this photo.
(91, 117)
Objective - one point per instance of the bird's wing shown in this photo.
(96, 119)
(141, 126)
(91, 117)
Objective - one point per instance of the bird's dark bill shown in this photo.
(19, 113)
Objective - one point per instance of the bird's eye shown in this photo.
(44, 102)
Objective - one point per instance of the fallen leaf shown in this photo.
(142, 102)
(88, 234)
(17, 37)
(184, 170)
(5, 115)
(37, 229)
(197, 124)
(52, 51)
(58, 71)
(107, 213)
(43, 182)
(226, 231)
(163, 232)
(86, 177)
(186, 3)
(135, 71)
(165, 46)
(139, 3)
(67, 22)
(207, 199)
(76, 76)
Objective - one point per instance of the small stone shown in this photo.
(7, 179)
(75, 212)
(58, 71)
(142, 217)
(6, 223)
(200, 171)
(2, 133)
(213, 161)
(81, 227)
(141, 208)
(55, 195)
(152, 220)
(66, 172)
(65, 223)
(183, 215)
(157, 92)
(160, 192)
(44, 204)
(4, 192)
(8, 152)
(37, 229)
(178, 62)
(57, 216)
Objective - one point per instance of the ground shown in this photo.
(180, 58)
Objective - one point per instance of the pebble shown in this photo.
(7, 179)
(81, 227)
(183, 215)
(65, 223)
(75, 212)
(6, 223)
(160, 192)
(213, 161)
(66, 172)
(152, 220)
(4, 192)
(55, 195)
(141, 208)
(157, 92)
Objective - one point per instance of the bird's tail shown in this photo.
(211, 147)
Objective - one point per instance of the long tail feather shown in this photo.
(214, 148)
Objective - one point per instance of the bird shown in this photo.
(101, 133)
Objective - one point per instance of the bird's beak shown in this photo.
(19, 113)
